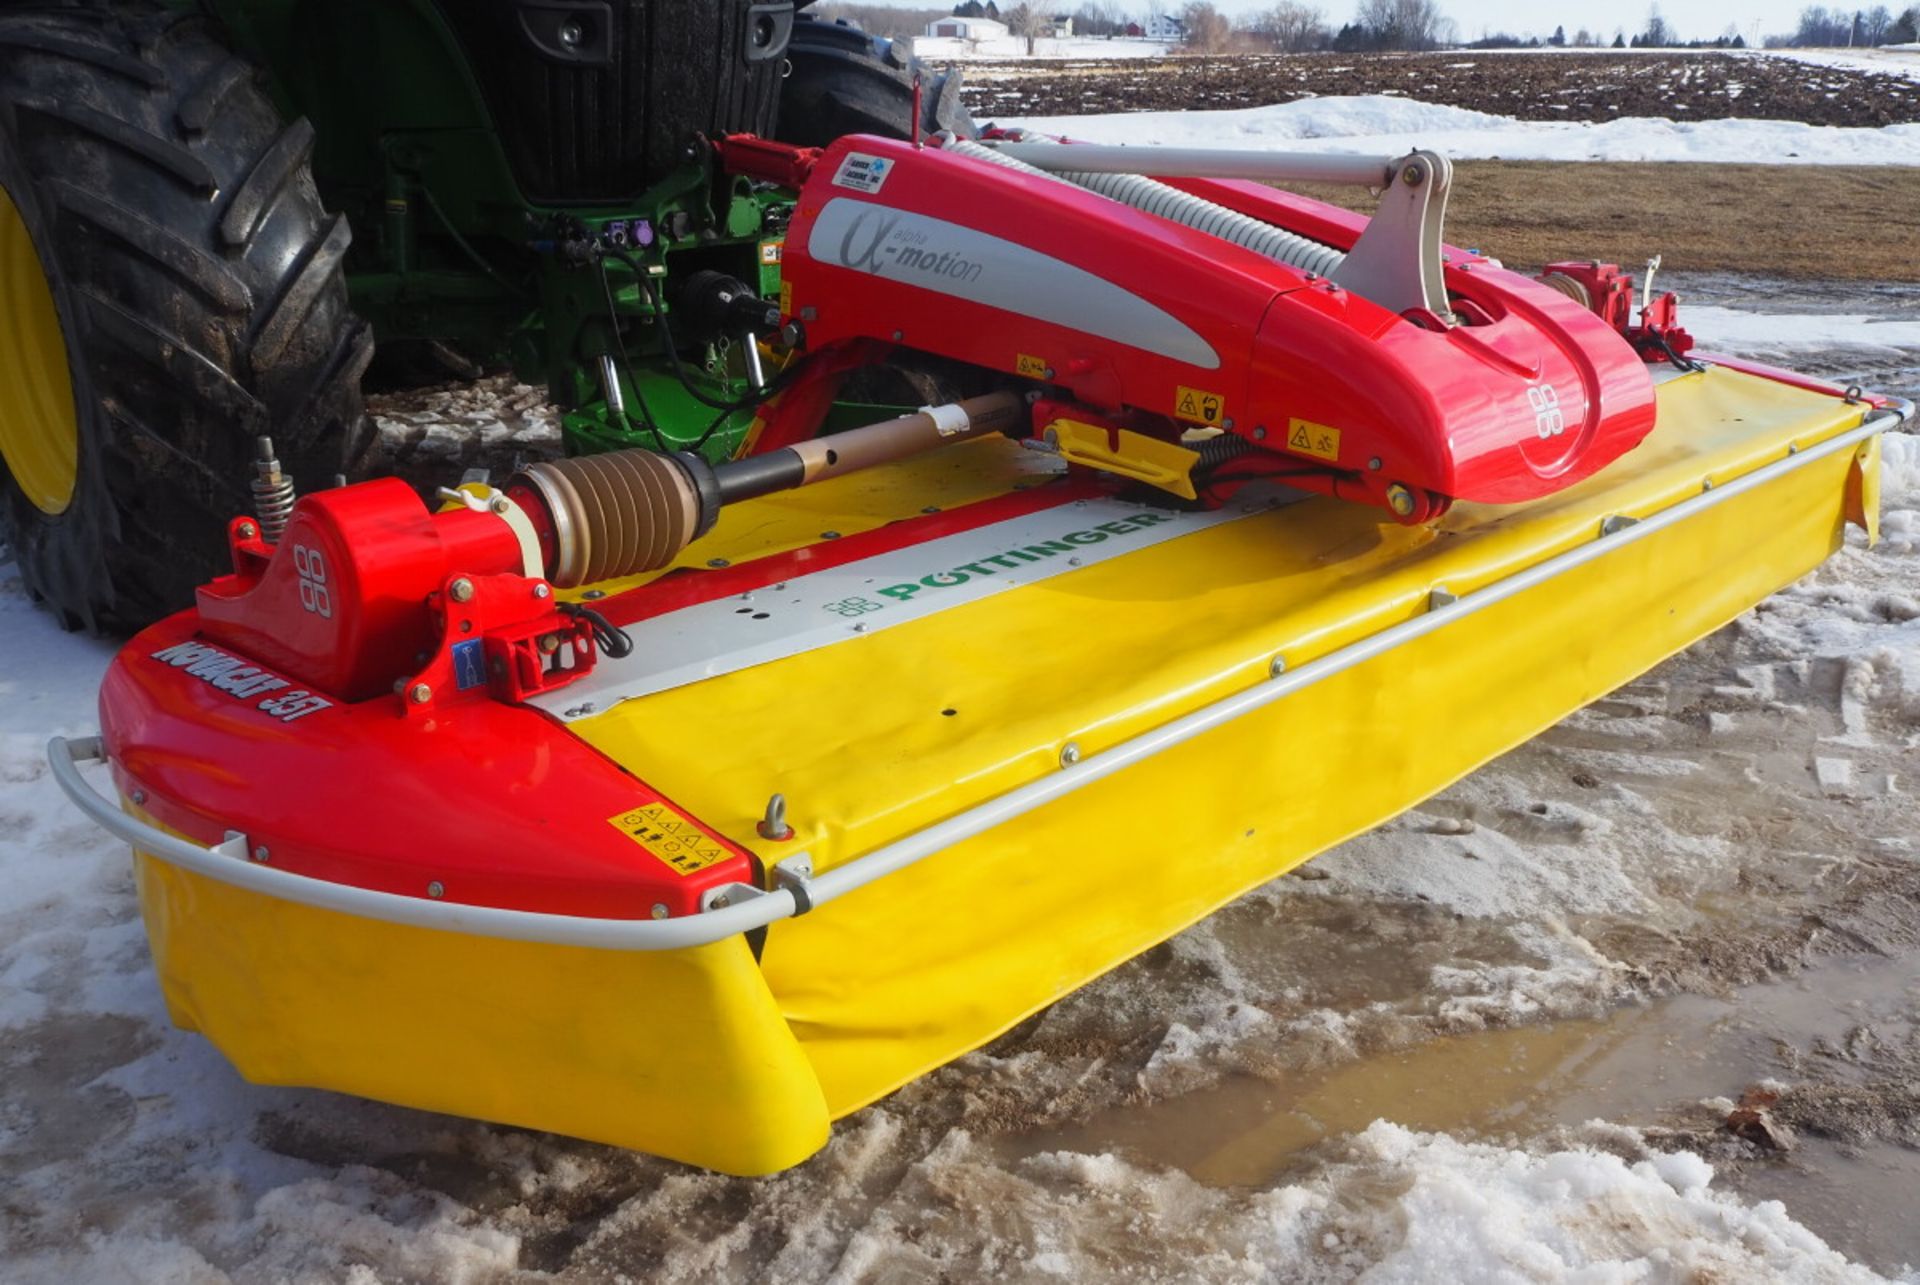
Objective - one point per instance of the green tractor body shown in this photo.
(525, 180)
(232, 199)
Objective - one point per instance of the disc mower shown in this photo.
(693, 792)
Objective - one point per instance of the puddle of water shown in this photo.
(1635, 1065)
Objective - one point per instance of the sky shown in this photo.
(1693, 19)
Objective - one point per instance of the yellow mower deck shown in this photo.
(702, 1055)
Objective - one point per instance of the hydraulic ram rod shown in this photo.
(1202, 162)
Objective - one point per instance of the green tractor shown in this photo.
(211, 213)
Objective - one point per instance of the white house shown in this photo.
(967, 29)
(1160, 26)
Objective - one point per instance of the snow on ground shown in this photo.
(1388, 126)
(1728, 329)
(1892, 60)
(130, 1151)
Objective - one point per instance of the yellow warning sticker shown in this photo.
(670, 836)
(770, 251)
(1304, 437)
(786, 298)
(1030, 366)
(1197, 407)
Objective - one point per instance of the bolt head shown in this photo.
(461, 590)
(1373, 465)
(1276, 667)
(436, 890)
(139, 797)
(571, 34)
(543, 591)
(1069, 754)
(261, 854)
(1260, 433)
(420, 694)
(248, 530)
(1400, 499)
(660, 910)
(499, 504)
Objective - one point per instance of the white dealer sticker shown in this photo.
(863, 173)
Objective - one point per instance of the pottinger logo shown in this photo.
(886, 245)
(312, 570)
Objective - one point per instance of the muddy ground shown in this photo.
(1545, 87)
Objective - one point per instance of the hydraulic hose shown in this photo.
(1151, 196)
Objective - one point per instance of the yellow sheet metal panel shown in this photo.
(1004, 924)
(894, 979)
(682, 1053)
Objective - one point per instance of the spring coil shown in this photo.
(1153, 197)
(273, 493)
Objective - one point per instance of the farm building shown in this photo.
(967, 29)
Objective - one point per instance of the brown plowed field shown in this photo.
(1839, 222)
(1559, 86)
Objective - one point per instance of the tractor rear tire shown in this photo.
(197, 299)
(847, 82)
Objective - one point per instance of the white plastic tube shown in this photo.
(1153, 197)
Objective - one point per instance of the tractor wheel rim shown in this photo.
(39, 433)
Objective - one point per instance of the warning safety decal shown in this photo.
(1304, 437)
(1198, 407)
(669, 836)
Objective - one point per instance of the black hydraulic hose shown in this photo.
(774, 386)
(626, 363)
(1666, 346)
(610, 638)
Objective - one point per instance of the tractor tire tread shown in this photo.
(845, 81)
(165, 153)
(268, 179)
(201, 290)
(203, 103)
(98, 55)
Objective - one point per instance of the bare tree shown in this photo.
(1208, 30)
(1403, 24)
(1658, 34)
(1027, 22)
(1874, 25)
(1290, 27)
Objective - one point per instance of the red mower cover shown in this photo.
(1519, 393)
